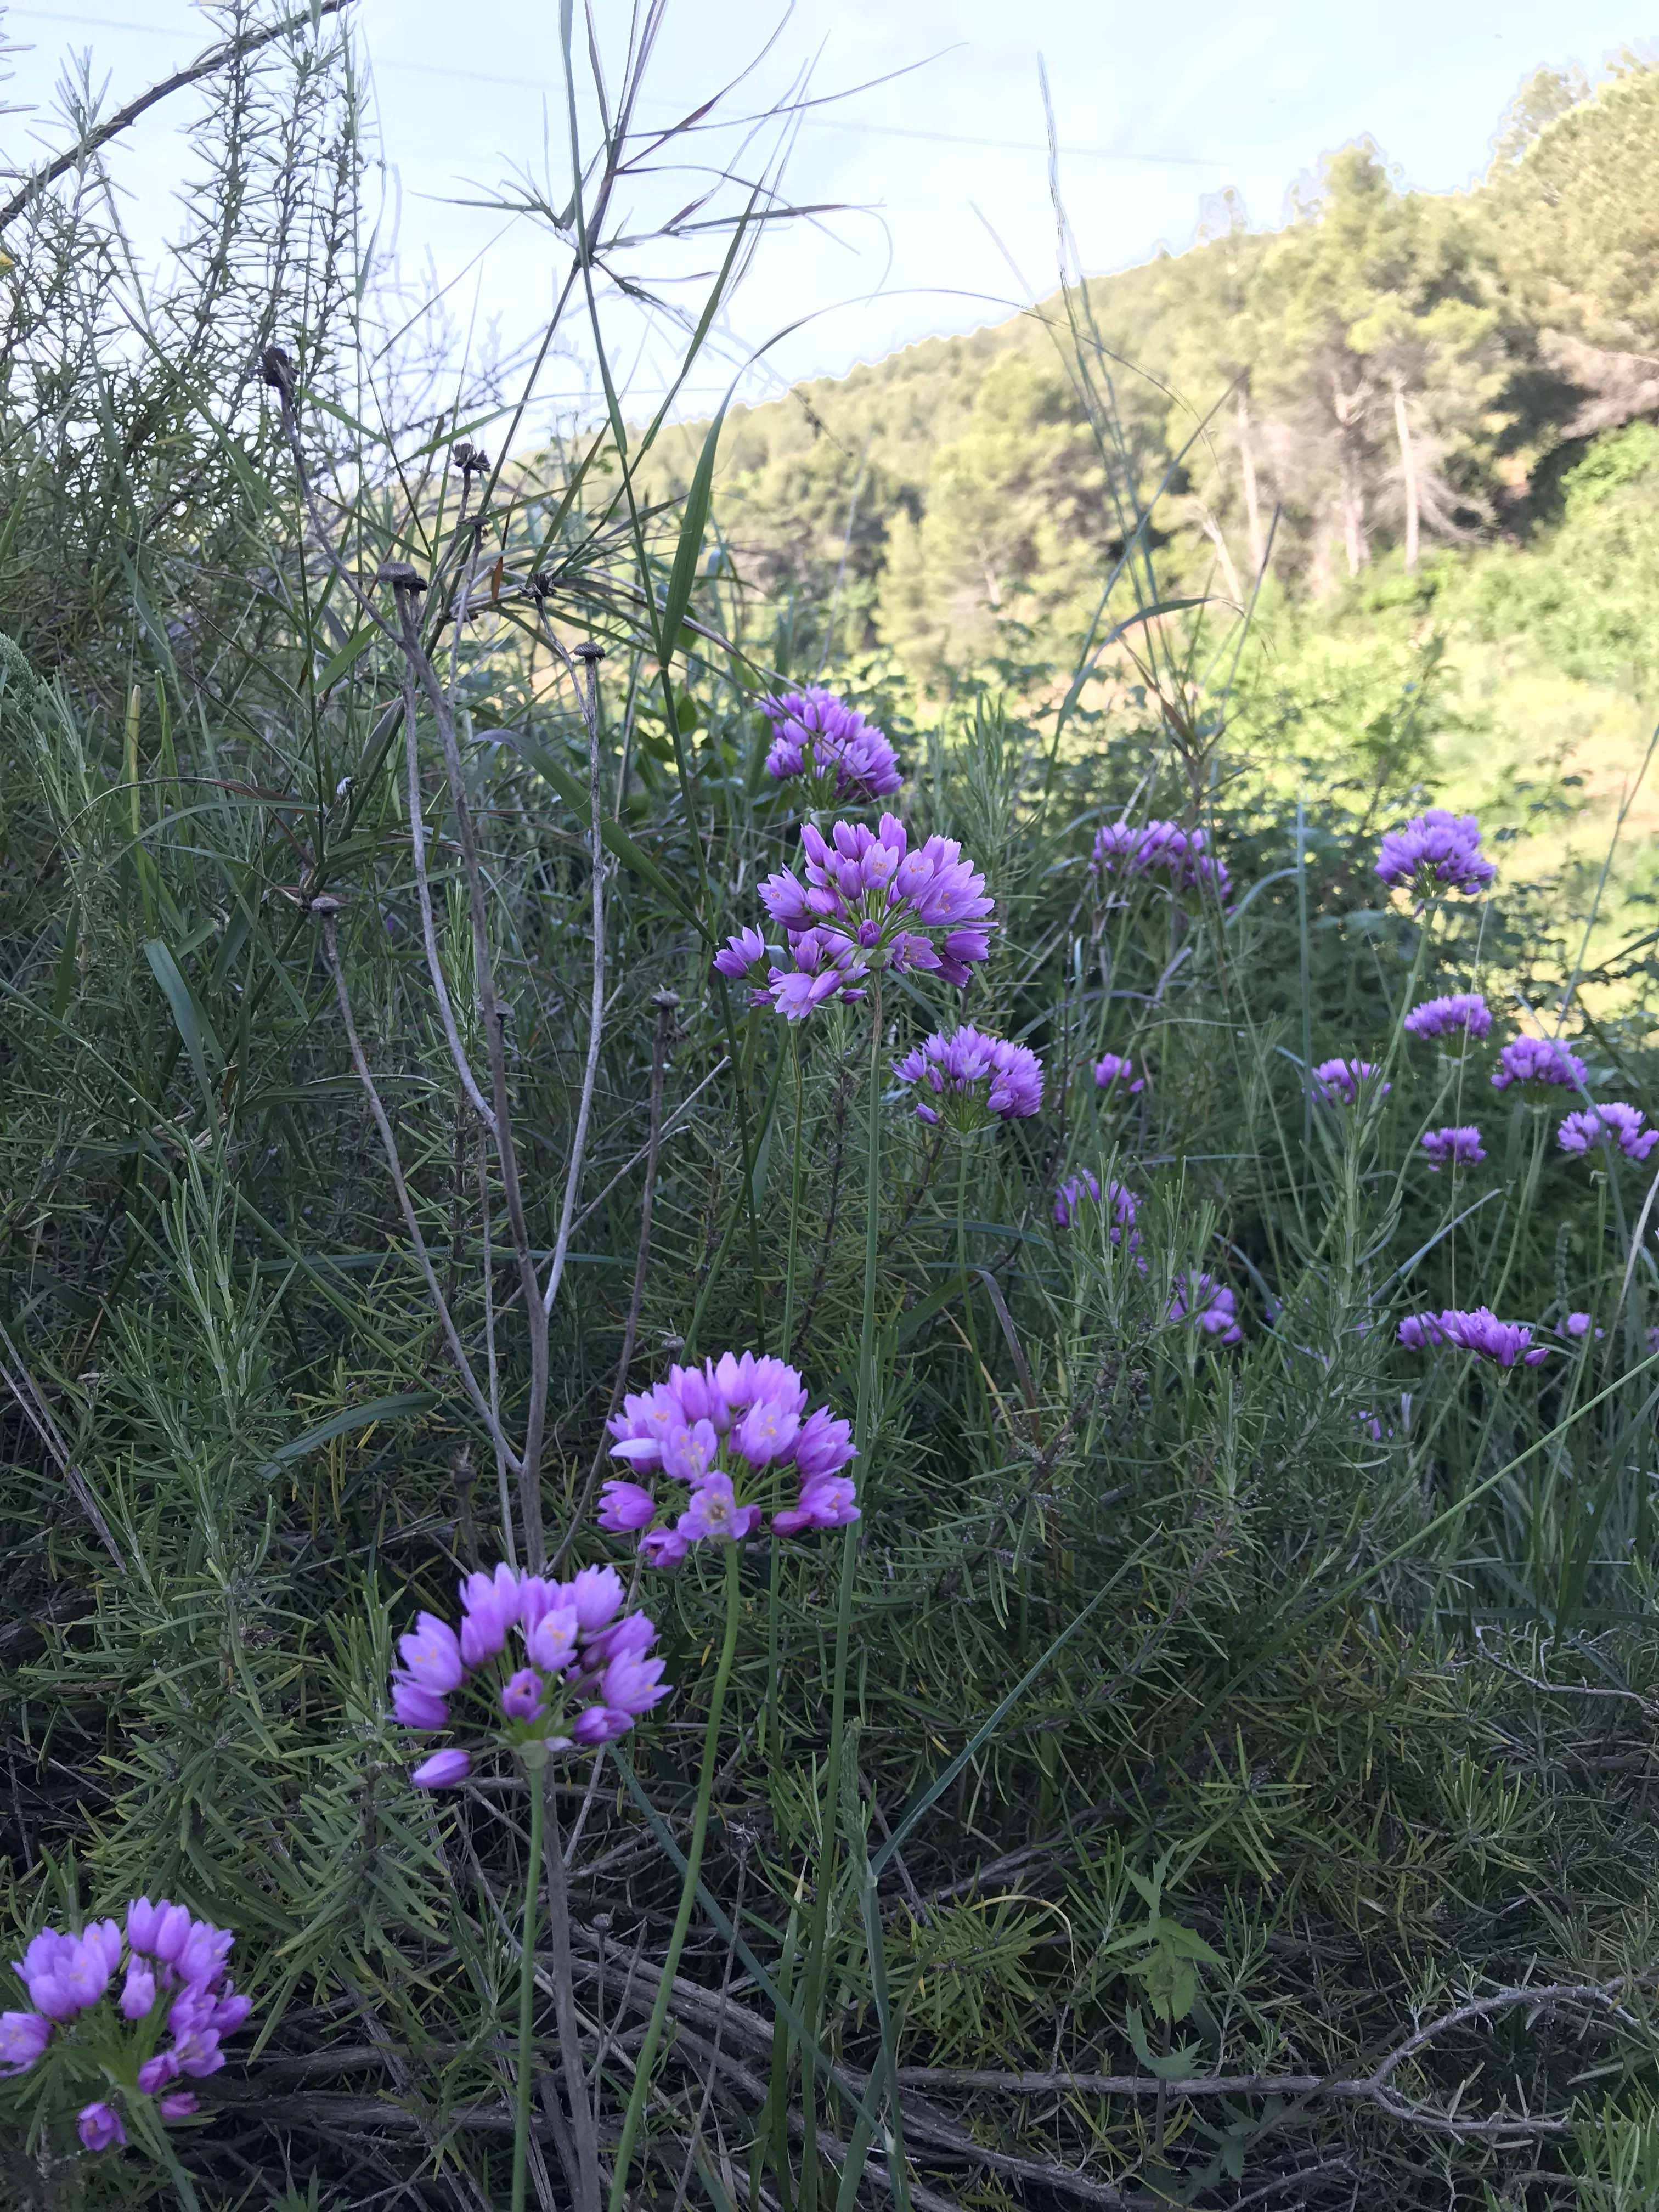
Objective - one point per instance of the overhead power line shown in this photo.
(1120, 157)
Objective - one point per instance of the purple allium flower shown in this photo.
(178, 2106)
(521, 1695)
(1421, 1332)
(747, 955)
(196, 2050)
(1461, 1017)
(624, 1506)
(1538, 1064)
(597, 1724)
(1340, 1080)
(491, 1606)
(1435, 852)
(166, 1954)
(632, 1685)
(1083, 1188)
(23, 2036)
(417, 1708)
(554, 1643)
(869, 901)
(159, 1930)
(826, 1501)
(569, 1632)
(823, 1446)
(1208, 1305)
(1070, 1195)
(1114, 1068)
(715, 1511)
(1460, 1143)
(1158, 848)
(442, 1771)
(728, 1430)
(1578, 1326)
(1506, 1343)
(1609, 1126)
(967, 1078)
(596, 1596)
(848, 761)
(431, 1654)
(138, 1991)
(665, 1548)
(99, 2126)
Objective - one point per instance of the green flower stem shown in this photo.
(532, 1891)
(795, 1207)
(863, 1426)
(148, 2124)
(648, 2055)
(768, 1721)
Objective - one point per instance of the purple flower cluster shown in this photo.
(1459, 1143)
(1340, 1080)
(1159, 848)
(1611, 1127)
(1435, 852)
(728, 1430)
(1463, 1017)
(1084, 1189)
(815, 735)
(968, 1078)
(1506, 1343)
(1578, 1326)
(1113, 1067)
(868, 901)
(585, 1679)
(1538, 1064)
(1206, 1304)
(174, 1985)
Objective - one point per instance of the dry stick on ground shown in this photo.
(1369, 2088)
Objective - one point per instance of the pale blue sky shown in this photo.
(1155, 107)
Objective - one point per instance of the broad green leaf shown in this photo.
(397, 1407)
(195, 1031)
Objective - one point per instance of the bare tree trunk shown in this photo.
(1350, 481)
(1252, 498)
(1408, 475)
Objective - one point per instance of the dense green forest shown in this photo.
(1391, 373)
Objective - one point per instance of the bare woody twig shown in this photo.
(207, 63)
(494, 1012)
(328, 909)
(665, 1003)
(588, 693)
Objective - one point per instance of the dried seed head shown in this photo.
(326, 905)
(590, 650)
(541, 584)
(402, 576)
(276, 369)
(470, 459)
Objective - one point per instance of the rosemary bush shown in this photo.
(1209, 1772)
